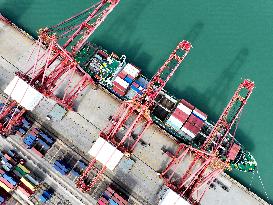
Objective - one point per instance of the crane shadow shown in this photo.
(195, 32)
(120, 29)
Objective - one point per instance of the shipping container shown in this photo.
(187, 104)
(131, 70)
(5, 187)
(25, 190)
(122, 74)
(121, 82)
(6, 182)
(199, 114)
(28, 184)
(195, 130)
(188, 132)
(195, 121)
(47, 138)
(118, 91)
(10, 179)
(128, 79)
(180, 115)
(62, 172)
(32, 179)
(174, 122)
(23, 168)
(184, 108)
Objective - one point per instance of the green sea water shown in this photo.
(231, 40)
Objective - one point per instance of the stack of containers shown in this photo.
(125, 78)
(17, 176)
(4, 183)
(195, 122)
(38, 142)
(111, 197)
(24, 127)
(78, 168)
(61, 167)
(137, 87)
(180, 115)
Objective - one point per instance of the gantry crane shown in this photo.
(208, 161)
(133, 117)
(53, 66)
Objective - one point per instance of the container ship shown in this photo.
(185, 122)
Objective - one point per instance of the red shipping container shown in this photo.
(192, 128)
(135, 84)
(234, 151)
(110, 190)
(122, 74)
(116, 200)
(119, 86)
(2, 171)
(7, 156)
(9, 185)
(122, 200)
(195, 121)
(180, 115)
(187, 104)
(108, 193)
(100, 202)
(118, 91)
(24, 191)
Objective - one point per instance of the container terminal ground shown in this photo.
(77, 132)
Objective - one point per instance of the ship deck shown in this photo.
(81, 129)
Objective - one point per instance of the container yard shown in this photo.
(128, 141)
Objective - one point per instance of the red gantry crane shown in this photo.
(210, 160)
(53, 68)
(133, 117)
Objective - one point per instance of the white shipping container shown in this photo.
(132, 70)
(121, 82)
(188, 132)
(23, 93)
(184, 108)
(204, 118)
(174, 122)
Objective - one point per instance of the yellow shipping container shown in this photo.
(23, 168)
(4, 187)
(28, 184)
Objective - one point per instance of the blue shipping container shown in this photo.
(112, 202)
(46, 138)
(128, 79)
(59, 169)
(45, 146)
(9, 179)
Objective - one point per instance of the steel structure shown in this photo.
(52, 69)
(133, 117)
(208, 161)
